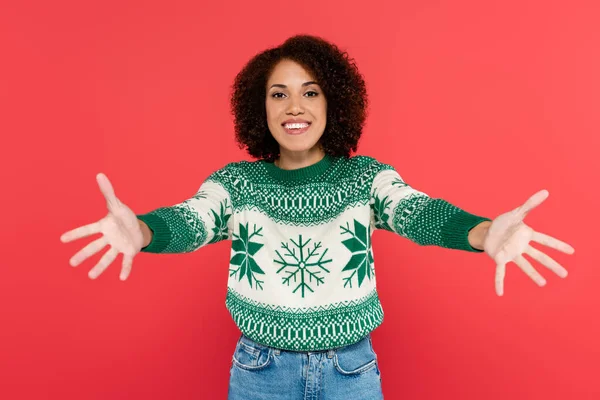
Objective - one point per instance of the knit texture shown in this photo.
(301, 271)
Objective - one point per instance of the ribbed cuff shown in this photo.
(161, 234)
(455, 232)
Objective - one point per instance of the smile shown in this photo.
(296, 128)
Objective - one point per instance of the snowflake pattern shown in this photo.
(220, 230)
(381, 205)
(381, 217)
(245, 250)
(361, 263)
(302, 266)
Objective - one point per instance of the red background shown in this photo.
(480, 103)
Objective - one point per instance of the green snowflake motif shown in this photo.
(361, 263)
(245, 250)
(302, 267)
(381, 205)
(381, 217)
(220, 231)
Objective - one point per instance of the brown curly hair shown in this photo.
(337, 75)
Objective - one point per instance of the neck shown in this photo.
(299, 159)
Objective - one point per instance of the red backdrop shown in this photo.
(480, 103)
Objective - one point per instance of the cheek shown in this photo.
(323, 109)
(271, 116)
(273, 110)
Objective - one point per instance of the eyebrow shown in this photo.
(304, 84)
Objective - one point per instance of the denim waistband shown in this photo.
(330, 352)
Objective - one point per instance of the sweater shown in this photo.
(302, 272)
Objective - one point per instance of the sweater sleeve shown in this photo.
(203, 219)
(399, 208)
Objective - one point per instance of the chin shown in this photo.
(297, 147)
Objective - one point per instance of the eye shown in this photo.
(277, 95)
(312, 93)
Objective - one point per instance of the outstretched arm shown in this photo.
(399, 208)
(410, 213)
(185, 227)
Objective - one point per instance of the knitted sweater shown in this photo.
(301, 272)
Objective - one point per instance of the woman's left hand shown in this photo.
(508, 237)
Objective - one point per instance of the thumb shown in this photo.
(107, 190)
(532, 203)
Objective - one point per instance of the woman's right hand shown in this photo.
(120, 229)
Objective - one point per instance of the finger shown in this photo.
(552, 242)
(533, 202)
(80, 232)
(107, 190)
(500, 273)
(530, 271)
(547, 261)
(88, 251)
(126, 268)
(104, 262)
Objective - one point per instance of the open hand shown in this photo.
(120, 229)
(508, 237)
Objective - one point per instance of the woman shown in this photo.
(302, 284)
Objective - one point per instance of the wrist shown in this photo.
(476, 235)
(146, 233)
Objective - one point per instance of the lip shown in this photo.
(295, 132)
(295, 121)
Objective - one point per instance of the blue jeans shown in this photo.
(259, 372)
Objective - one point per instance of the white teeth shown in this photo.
(296, 126)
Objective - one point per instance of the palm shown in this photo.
(508, 238)
(120, 230)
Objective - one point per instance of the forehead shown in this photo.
(289, 71)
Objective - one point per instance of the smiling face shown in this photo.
(296, 109)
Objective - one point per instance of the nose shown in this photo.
(295, 106)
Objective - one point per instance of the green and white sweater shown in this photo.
(301, 273)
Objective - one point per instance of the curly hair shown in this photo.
(337, 75)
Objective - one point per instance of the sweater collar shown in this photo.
(298, 174)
